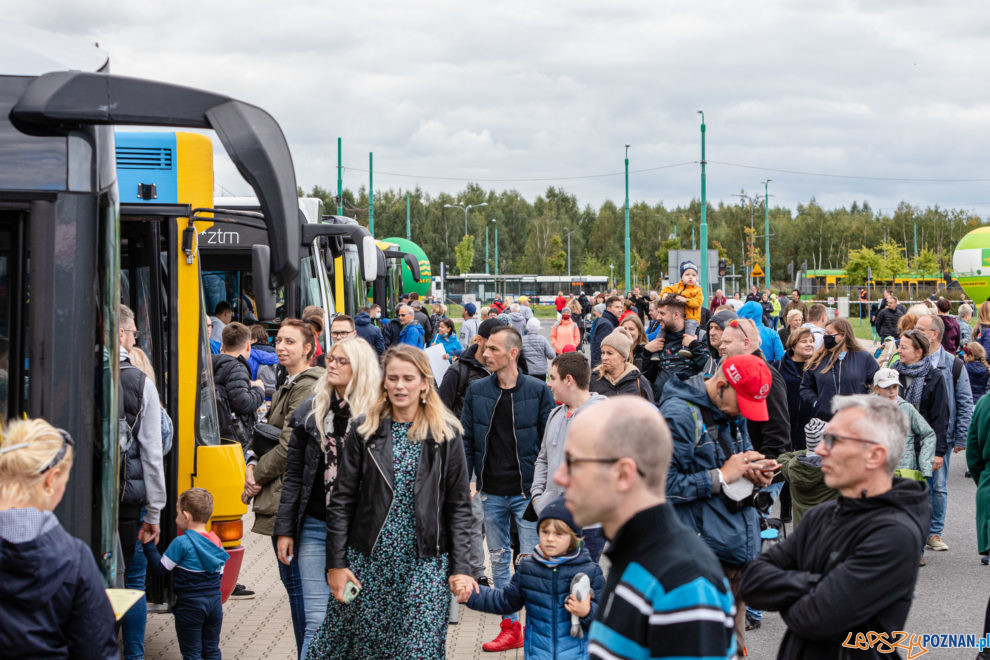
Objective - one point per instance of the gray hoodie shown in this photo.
(544, 489)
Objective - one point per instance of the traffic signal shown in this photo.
(722, 266)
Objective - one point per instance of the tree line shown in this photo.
(532, 236)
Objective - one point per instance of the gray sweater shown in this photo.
(537, 349)
(545, 489)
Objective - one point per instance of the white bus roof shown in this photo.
(310, 206)
(28, 51)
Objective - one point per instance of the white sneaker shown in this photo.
(935, 542)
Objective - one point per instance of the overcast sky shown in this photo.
(517, 91)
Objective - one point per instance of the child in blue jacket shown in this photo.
(448, 339)
(199, 558)
(542, 583)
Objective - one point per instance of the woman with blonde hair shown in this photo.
(52, 599)
(634, 326)
(982, 333)
(838, 366)
(398, 526)
(319, 425)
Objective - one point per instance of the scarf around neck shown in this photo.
(334, 432)
(918, 372)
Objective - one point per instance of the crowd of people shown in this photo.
(381, 488)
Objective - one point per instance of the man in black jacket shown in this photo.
(887, 319)
(236, 392)
(850, 567)
(667, 356)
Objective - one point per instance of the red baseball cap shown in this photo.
(750, 377)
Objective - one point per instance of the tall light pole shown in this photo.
(496, 246)
(569, 253)
(628, 272)
(340, 180)
(408, 229)
(486, 248)
(371, 195)
(766, 230)
(704, 217)
(611, 276)
(691, 220)
(466, 209)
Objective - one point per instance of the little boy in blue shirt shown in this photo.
(199, 558)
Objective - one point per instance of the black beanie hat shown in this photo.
(559, 511)
(486, 327)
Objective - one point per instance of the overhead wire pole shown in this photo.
(704, 217)
(340, 180)
(628, 270)
(766, 229)
(408, 229)
(371, 196)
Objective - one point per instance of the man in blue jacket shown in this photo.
(770, 344)
(367, 331)
(504, 416)
(412, 333)
(714, 472)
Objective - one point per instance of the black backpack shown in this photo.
(232, 427)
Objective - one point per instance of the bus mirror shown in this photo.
(369, 261)
(380, 275)
(264, 297)
(413, 264)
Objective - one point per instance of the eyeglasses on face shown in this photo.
(339, 360)
(570, 461)
(829, 440)
(133, 332)
(339, 333)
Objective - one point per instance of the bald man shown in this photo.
(615, 472)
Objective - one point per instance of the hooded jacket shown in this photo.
(692, 482)
(199, 560)
(799, 411)
(52, 599)
(802, 471)
(412, 334)
(542, 585)
(231, 378)
(531, 404)
(919, 450)
(537, 349)
(849, 568)
(545, 489)
(518, 321)
(630, 382)
(565, 333)
(462, 373)
(451, 346)
(261, 354)
(769, 339)
(367, 331)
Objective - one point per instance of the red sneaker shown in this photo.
(510, 637)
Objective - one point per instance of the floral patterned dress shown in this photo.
(402, 609)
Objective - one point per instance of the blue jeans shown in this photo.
(311, 553)
(135, 621)
(293, 586)
(774, 490)
(938, 491)
(197, 626)
(497, 509)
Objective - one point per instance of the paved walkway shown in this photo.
(260, 628)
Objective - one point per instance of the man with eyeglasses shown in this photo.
(666, 595)
(342, 327)
(850, 567)
(412, 332)
(143, 482)
(716, 473)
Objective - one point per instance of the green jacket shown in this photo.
(978, 458)
(806, 481)
(921, 432)
(270, 469)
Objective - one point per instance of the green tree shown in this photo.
(893, 263)
(593, 266)
(926, 261)
(465, 254)
(860, 261)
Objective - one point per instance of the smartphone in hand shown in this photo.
(350, 592)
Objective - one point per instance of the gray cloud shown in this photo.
(518, 90)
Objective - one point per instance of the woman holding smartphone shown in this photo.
(398, 525)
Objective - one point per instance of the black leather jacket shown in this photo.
(362, 498)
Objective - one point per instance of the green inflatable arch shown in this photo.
(426, 277)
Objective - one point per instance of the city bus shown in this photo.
(60, 256)
(162, 177)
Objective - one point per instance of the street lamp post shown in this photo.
(704, 217)
(691, 220)
(766, 230)
(611, 276)
(486, 248)
(569, 253)
(627, 218)
(465, 209)
(496, 246)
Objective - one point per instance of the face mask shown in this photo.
(829, 342)
(378, 315)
